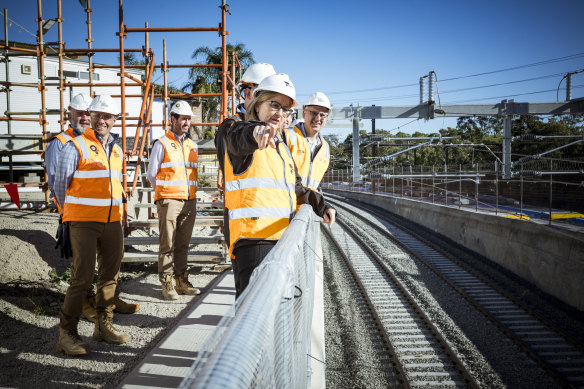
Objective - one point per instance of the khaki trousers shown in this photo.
(176, 219)
(88, 240)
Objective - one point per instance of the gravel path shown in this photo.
(30, 303)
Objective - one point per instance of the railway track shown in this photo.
(421, 356)
(556, 351)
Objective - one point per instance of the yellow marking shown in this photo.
(516, 216)
(566, 215)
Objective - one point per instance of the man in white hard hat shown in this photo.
(309, 149)
(173, 173)
(88, 182)
(250, 80)
(79, 120)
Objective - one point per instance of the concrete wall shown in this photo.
(548, 257)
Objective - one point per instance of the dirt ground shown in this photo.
(33, 282)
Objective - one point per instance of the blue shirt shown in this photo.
(68, 163)
(54, 148)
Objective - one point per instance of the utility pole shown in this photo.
(356, 164)
(374, 149)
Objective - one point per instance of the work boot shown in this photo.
(88, 309)
(71, 343)
(105, 330)
(183, 286)
(120, 306)
(168, 292)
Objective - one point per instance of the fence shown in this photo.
(549, 190)
(264, 340)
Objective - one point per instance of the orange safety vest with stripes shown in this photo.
(262, 199)
(66, 135)
(177, 177)
(310, 170)
(95, 193)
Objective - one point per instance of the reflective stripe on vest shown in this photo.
(95, 193)
(262, 199)
(310, 170)
(177, 176)
(65, 137)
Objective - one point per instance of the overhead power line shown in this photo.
(12, 21)
(540, 63)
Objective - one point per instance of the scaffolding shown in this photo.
(229, 68)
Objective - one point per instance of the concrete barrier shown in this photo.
(549, 257)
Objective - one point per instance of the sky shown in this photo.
(360, 53)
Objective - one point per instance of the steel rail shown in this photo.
(486, 296)
(450, 374)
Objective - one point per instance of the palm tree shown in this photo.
(208, 80)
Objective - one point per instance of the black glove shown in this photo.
(63, 241)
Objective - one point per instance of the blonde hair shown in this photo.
(262, 97)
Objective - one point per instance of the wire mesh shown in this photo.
(264, 339)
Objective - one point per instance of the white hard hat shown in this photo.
(319, 99)
(80, 102)
(256, 73)
(181, 107)
(104, 103)
(279, 83)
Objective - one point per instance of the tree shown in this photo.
(208, 80)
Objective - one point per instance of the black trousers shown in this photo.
(247, 258)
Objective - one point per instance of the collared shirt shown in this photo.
(68, 163)
(313, 146)
(155, 161)
(52, 158)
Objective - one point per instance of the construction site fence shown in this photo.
(555, 194)
(264, 339)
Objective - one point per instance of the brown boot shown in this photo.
(120, 306)
(168, 292)
(71, 343)
(88, 310)
(183, 286)
(105, 330)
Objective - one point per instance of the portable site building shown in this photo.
(25, 69)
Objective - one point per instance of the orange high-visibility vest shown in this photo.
(177, 177)
(95, 193)
(311, 170)
(65, 136)
(262, 199)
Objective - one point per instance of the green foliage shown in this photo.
(208, 80)
(204, 181)
(38, 310)
(487, 131)
(55, 277)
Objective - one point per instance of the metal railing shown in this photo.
(264, 339)
(547, 190)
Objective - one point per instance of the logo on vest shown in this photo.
(94, 149)
(116, 154)
(291, 168)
